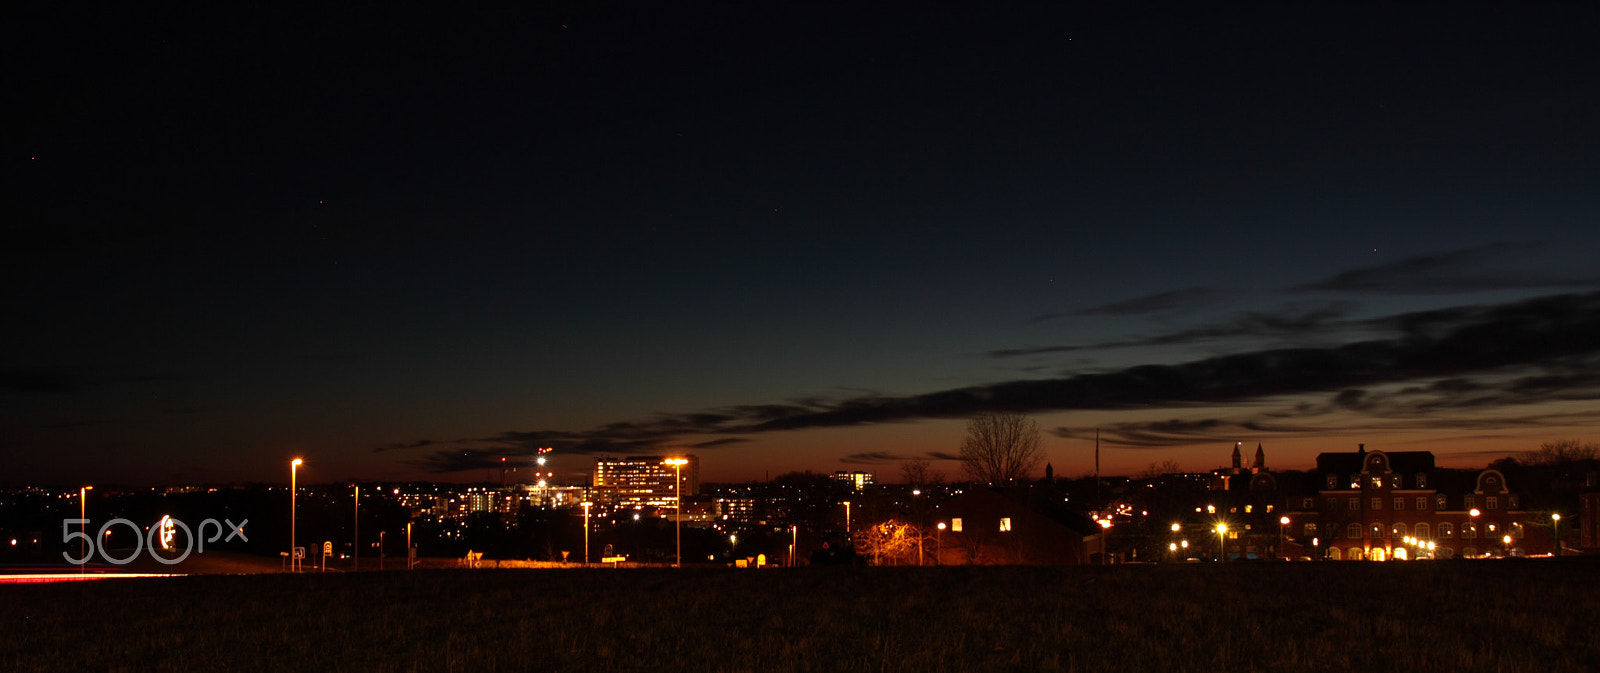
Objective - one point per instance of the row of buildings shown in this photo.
(1360, 505)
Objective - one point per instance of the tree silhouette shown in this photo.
(1000, 447)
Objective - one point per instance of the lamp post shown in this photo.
(1105, 535)
(1555, 531)
(355, 546)
(847, 521)
(938, 545)
(83, 527)
(1222, 542)
(794, 542)
(586, 505)
(677, 472)
(1282, 522)
(294, 468)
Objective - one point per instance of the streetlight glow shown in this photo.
(294, 468)
(677, 482)
(83, 515)
(586, 505)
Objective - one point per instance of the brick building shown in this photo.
(1378, 505)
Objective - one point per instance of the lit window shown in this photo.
(1445, 530)
(955, 524)
(1247, 508)
(1469, 530)
(1438, 502)
(1269, 509)
(1398, 532)
(1422, 480)
(1310, 530)
(1005, 524)
(1377, 530)
(1377, 482)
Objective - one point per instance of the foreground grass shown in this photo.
(1462, 616)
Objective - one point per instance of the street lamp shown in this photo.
(83, 527)
(1222, 542)
(355, 547)
(294, 467)
(586, 505)
(938, 544)
(677, 471)
(847, 520)
(1555, 525)
(1105, 527)
(1282, 521)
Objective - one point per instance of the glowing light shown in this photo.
(1176, 528)
(1284, 521)
(168, 531)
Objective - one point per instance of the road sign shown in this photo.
(327, 549)
(299, 552)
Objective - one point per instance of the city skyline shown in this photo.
(406, 245)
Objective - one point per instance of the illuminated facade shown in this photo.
(1377, 505)
(645, 481)
(857, 480)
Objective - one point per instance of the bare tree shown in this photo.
(1561, 452)
(917, 472)
(1000, 447)
(1165, 467)
(889, 541)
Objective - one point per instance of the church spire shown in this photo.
(1261, 457)
(1238, 460)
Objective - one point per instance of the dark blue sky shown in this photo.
(407, 242)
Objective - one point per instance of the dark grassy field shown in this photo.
(1535, 615)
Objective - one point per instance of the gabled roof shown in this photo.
(1351, 462)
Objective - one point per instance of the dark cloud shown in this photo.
(1154, 303)
(1290, 321)
(872, 458)
(724, 441)
(404, 445)
(1459, 271)
(942, 455)
(461, 460)
(1465, 357)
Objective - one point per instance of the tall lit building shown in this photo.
(646, 480)
(857, 480)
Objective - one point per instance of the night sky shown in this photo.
(405, 242)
